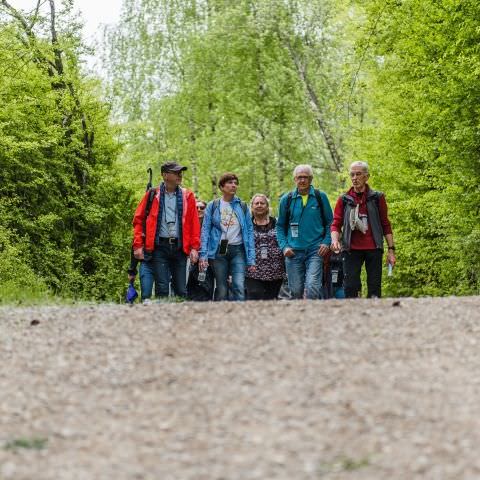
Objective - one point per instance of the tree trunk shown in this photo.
(315, 106)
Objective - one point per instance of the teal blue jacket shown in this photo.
(311, 232)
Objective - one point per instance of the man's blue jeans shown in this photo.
(167, 261)
(305, 272)
(234, 264)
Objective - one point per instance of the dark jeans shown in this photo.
(354, 260)
(262, 289)
(166, 260)
(146, 281)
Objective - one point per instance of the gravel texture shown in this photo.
(364, 389)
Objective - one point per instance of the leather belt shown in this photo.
(169, 240)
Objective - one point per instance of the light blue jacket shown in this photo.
(212, 231)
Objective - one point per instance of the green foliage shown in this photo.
(19, 281)
(258, 87)
(422, 139)
(64, 208)
(218, 89)
(253, 87)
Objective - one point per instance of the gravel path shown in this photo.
(366, 389)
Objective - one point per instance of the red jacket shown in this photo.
(190, 223)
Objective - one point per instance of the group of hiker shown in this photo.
(235, 251)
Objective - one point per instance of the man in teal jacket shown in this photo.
(303, 233)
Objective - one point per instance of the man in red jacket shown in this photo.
(362, 216)
(169, 234)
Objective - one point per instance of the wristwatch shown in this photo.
(392, 248)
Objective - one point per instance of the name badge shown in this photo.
(263, 252)
(294, 230)
(334, 276)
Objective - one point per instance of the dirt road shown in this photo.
(287, 390)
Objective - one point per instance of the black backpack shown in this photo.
(200, 291)
(333, 275)
(320, 206)
(151, 195)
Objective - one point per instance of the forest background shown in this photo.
(253, 86)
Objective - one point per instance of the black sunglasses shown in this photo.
(200, 207)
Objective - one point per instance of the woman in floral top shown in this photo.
(264, 283)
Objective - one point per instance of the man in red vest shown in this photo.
(361, 215)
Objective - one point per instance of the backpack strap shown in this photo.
(151, 195)
(346, 198)
(216, 204)
(320, 206)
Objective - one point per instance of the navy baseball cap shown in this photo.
(172, 167)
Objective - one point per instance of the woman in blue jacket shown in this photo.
(227, 242)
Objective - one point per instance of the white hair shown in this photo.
(303, 168)
(363, 165)
(260, 195)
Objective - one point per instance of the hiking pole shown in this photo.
(149, 184)
(148, 206)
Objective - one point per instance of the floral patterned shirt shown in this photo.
(269, 260)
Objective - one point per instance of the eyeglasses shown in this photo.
(179, 174)
(200, 207)
(302, 177)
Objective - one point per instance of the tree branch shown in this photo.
(315, 106)
(13, 12)
(56, 50)
(32, 40)
(35, 15)
(362, 58)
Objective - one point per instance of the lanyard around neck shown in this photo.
(165, 206)
(303, 206)
(230, 219)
